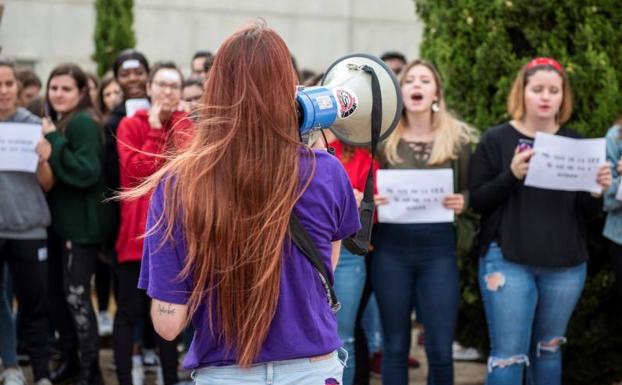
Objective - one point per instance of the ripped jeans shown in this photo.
(71, 267)
(527, 309)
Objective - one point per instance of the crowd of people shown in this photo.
(195, 249)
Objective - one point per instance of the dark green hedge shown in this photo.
(114, 31)
(479, 45)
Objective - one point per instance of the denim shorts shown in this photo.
(303, 371)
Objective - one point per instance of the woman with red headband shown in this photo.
(533, 250)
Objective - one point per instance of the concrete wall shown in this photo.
(47, 32)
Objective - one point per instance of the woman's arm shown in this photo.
(334, 256)
(45, 176)
(44, 173)
(610, 203)
(169, 319)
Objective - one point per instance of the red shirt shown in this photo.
(357, 166)
(138, 145)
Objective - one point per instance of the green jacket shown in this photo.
(78, 213)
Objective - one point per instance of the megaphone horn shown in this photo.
(343, 103)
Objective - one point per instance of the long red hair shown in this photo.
(235, 187)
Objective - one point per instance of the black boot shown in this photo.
(65, 372)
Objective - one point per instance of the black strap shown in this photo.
(359, 243)
(301, 238)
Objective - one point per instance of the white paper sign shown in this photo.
(17, 146)
(415, 196)
(133, 105)
(567, 164)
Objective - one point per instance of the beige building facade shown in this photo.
(43, 33)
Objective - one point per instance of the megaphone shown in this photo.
(344, 101)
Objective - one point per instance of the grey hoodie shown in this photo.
(24, 212)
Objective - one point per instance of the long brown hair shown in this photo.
(235, 187)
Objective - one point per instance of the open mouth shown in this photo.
(417, 96)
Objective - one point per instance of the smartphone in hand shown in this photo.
(524, 144)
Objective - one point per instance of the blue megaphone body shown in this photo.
(317, 107)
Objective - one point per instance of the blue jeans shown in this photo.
(417, 263)
(527, 309)
(349, 283)
(8, 339)
(303, 371)
(372, 326)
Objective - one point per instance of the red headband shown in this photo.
(545, 61)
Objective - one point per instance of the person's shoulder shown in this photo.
(496, 133)
(22, 115)
(569, 133)
(325, 159)
(84, 116)
(115, 117)
(613, 132)
(140, 118)
(84, 123)
(499, 129)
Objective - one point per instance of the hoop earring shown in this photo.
(435, 106)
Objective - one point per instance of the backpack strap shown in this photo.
(303, 241)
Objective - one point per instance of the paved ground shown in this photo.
(465, 373)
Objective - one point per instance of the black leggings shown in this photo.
(27, 260)
(615, 251)
(133, 305)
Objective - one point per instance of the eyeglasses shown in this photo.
(171, 86)
(193, 99)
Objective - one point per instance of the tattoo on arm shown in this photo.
(168, 310)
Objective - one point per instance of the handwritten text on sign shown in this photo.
(415, 196)
(17, 146)
(567, 164)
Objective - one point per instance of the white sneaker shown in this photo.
(138, 375)
(104, 323)
(44, 381)
(13, 376)
(460, 353)
(151, 361)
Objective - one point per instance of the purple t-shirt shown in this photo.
(304, 325)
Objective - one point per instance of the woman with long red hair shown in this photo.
(218, 250)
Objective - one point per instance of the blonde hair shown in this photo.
(516, 98)
(450, 132)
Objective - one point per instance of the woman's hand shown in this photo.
(520, 163)
(454, 202)
(603, 178)
(358, 195)
(47, 126)
(44, 150)
(380, 200)
(154, 116)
